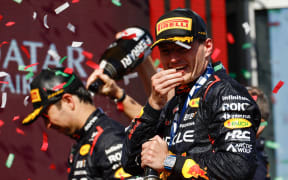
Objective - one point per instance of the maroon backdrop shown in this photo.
(29, 40)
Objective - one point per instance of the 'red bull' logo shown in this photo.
(192, 169)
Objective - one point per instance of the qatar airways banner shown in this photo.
(37, 34)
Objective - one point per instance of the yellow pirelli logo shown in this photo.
(174, 23)
(35, 95)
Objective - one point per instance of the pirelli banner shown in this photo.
(36, 34)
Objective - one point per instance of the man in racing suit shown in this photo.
(208, 129)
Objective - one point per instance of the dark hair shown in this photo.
(83, 94)
(262, 101)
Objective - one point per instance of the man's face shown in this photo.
(192, 62)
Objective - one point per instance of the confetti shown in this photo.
(278, 86)
(34, 16)
(129, 76)
(246, 74)
(31, 65)
(69, 81)
(75, 1)
(120, 106)
(62, 8)
(273, 23)
(10, 160)
(45, 21)
(29, 75)
(255, 98)
(10, 23)
(2, 43)
(18, 1)
(246, 45)
(24, 49)
(3, 74)
(15, 118)
(1, 123)
(1, 17)
(54, 54)
(87, 54)
(71, 27)
(186, 46)
(230, 38)
(92, 64)
(44, 146)
(20, 131)
(116, 2)
(26, 102)
(60, 86)
(61, 73)
(68, 70)
(215, 53)
(52, 166)
(4, 100)
(63, 59)
(246, 27)
(76, 44)
(272, 144)
(156, 63)
(4, 82)
(233, 75)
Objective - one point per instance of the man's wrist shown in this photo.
(169, 162)
(121, 98)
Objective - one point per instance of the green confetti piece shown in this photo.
(272, 144)
(265, 123)
(156, 63)
(246, 74)
(69, 81)
(22, 68)
(17, 1)
(218, 67)
(29, 75)
(246, 45)
(233, 75)
(116, 2)
(10, 159)
(61, 73)
(61, 61)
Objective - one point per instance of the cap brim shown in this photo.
(187, 39)
(33, 116)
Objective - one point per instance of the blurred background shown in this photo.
(250, 38)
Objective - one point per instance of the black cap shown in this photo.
(48, 87)
(180, 25)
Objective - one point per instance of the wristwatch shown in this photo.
(169, 162)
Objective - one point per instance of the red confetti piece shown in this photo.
(131, 36)
(68, 70)
(215, 53)
(68, 170)
(4, 42)
(120, 106)
(25, 50)
(87, 54)
(75, 1)
(3, 82)
(52, 166)
(16, 118)
(1, 123)
(44, 146)
(20, 131)
(92, 64)
(1, 17)
(30, 66)
(278, 86)
(60, 86)
(10, 23)
(255, 98)
(230, 38)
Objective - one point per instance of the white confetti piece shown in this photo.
(3, 74)
(4, 99)
(71, 27)
(129, 76)
(54, 54)
(246, 27)
(76, 44)
(62, 8)
(45, 21)
(26, 102)
(34, 15)
(183, 44)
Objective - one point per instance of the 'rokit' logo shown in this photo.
(235, 123)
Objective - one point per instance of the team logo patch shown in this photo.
(192, 169)
(237, 123)
(35, 95)
(84, 149)
(174, 23)
(194, 103)
(120, 173)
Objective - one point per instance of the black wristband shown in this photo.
(121, 99)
